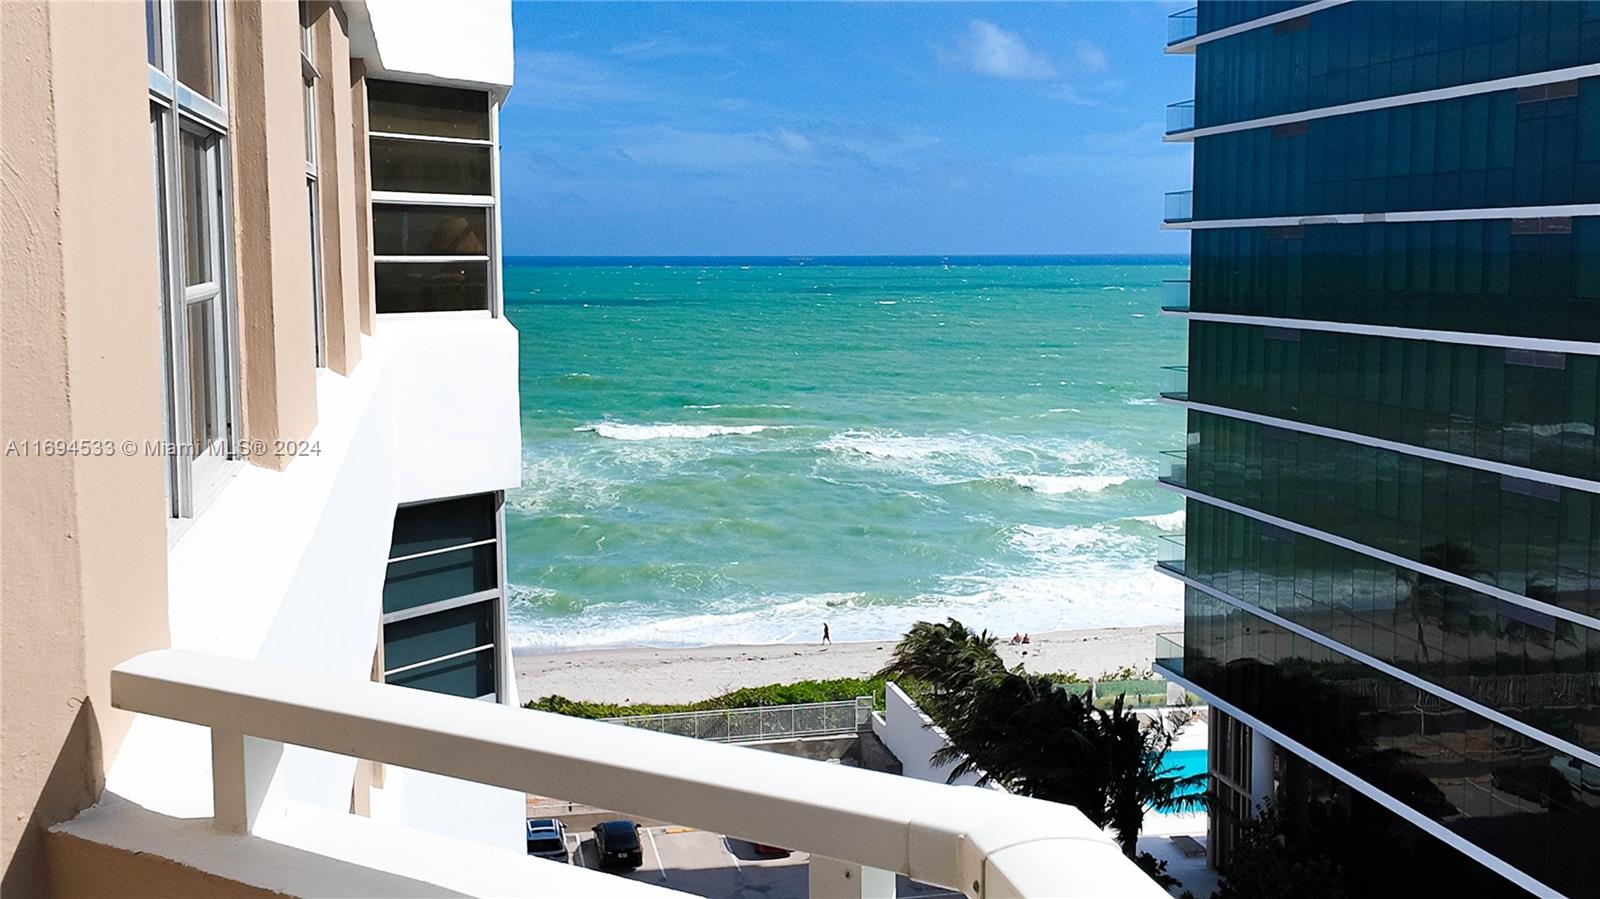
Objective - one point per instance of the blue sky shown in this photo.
(879, 128)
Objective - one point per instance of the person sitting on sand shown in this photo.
(1015, 639)
(1025, 639)
(826, 637)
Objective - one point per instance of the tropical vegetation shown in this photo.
(1028, 734)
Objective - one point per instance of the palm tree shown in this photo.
(1032, 736)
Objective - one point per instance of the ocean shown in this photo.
(739, 450)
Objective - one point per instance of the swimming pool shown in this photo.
(1183, 763)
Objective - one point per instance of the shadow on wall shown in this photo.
(74, 784)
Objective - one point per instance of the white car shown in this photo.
(547, 838)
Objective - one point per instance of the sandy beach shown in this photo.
(644, 674)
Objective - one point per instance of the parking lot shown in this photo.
(720, 867)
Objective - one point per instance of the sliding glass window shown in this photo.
(1515, 797)
(1539, 410)
(1529, 538)
(1447, 276)
(443, 600)
(308, 72)
(189, 144)
(1362, 51)
(434, 194)
(1531, 147)
(1534, 667)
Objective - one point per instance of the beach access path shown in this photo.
(645, 674)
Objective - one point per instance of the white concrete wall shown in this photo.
(461, 41)
(457, 420)
(287, 567)
(913, 738)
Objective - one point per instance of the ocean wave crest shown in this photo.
(620, 431)
(1072, 483)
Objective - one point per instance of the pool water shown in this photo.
(1183, 763)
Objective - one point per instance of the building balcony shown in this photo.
(1170, 549)
(1175, 383)
(1183, 25)
(860, 827)
(1169, 654)
(1180, 116)
(1174, 467)
(1175, 296)
(1180, 207)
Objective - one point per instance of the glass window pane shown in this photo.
(198, 219)
(425, 109)
(468, 676)
(447, 575)
(430, 167)
(430, 230)
(440, 634)
(431, 286)
(195, 38)
(311, 123)
(152, 34)
(452, 522)
(204, 423)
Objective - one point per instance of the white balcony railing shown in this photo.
(982, 842)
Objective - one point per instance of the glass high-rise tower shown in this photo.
(1392, 478)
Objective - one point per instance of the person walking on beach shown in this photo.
(827, 639)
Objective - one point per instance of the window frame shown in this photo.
(313, 136)
(193, 477)
(491, 258)
(493, 599)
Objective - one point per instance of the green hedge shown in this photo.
(817, 691)
(747, 697)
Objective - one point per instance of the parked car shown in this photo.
(547, 838)
(617, 844)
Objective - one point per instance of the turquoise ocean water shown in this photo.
(739, 450)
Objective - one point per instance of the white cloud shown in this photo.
(988, 49)
(1089, 58)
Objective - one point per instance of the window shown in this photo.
(189, 147)
(434, 192)
(308, 71)
(442, 598)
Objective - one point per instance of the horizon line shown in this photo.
(839, 255)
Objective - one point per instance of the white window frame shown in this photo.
(494, 302)
(309, 75)
(194, 474)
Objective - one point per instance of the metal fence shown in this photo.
(778, 722)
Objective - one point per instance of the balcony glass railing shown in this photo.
(1174, 467)
(1180, 206)
(1183, 25)
(1174, 296)
(1169, 652)
(1170, 552)
(1180, 116)
(1175, 382)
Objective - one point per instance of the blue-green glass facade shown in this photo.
(1417, 622)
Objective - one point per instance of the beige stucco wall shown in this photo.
(336, 174)
(363, 183)
(83, 550)
(277, 331)
(83, 869)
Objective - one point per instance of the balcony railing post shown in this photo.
(241, 771)
(834, 879)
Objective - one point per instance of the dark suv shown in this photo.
(617, 843)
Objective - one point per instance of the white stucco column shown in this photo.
(834, 879)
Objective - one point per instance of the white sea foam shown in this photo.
(1168, 521)
(620, 431)
(1057, 577)
(1072, 483)
(1140, 401)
